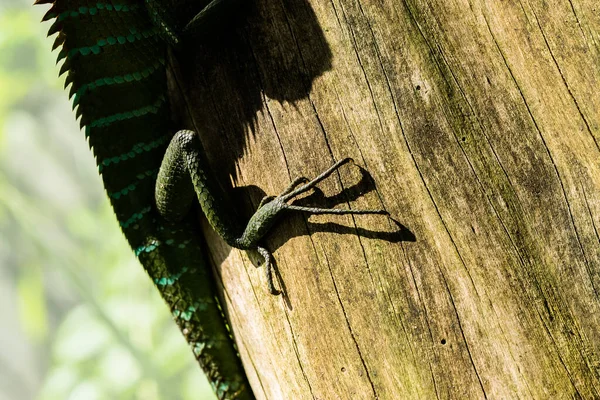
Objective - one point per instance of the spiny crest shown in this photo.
(86, 28)
(62, 9)
(66, 13)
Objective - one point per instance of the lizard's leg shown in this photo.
(174, 190)
(184, 170)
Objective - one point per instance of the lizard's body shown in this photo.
(114, 52)
(124, 77)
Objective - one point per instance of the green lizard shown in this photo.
(114, 53)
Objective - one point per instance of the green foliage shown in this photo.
(80, 318)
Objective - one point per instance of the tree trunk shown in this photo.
(479, 123)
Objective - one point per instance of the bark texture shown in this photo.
(479, 123)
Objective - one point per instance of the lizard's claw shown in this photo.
(290, 193)
(268, 269)
(293, 185)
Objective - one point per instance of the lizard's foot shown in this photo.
(271, 207)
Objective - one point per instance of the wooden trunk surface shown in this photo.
(479, 123)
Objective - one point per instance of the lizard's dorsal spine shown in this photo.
(114, 57)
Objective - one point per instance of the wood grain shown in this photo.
(479, 123)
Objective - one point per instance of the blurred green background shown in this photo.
(79, 318)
